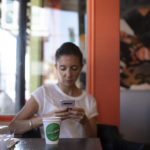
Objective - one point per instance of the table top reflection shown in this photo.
(64, 144)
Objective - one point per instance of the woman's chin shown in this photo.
(69, 84)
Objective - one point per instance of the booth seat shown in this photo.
(111, 139)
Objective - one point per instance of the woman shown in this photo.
(78, 121)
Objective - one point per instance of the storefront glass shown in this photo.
(49, 24)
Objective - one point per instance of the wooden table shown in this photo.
(64, 144)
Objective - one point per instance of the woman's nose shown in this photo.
(68, 73)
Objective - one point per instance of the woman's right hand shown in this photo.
(63, 113)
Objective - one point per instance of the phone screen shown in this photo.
(67, 103)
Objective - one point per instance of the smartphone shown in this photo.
(67, 103)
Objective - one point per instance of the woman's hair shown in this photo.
(69, 48)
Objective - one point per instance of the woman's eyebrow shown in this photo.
(74, 65)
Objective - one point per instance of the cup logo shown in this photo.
(52, 131)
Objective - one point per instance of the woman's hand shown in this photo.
(63, 113)
(88, 124)
(75, 113)
(78, 114)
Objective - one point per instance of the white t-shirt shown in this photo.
(48, 98)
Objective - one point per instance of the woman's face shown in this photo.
(68, 69)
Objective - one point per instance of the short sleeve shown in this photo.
(92, 107)
(38, 95)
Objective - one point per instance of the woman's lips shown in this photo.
(69, 81)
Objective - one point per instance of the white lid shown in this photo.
(52, 118)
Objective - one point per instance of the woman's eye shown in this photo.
(62, 68)
(74, 68)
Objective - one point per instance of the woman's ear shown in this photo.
(82, 67)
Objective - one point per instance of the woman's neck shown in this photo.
(71, 91)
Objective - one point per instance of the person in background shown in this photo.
(76, 122)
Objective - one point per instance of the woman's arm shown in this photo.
(23, 121)
(90, 126)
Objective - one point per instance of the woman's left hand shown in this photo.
(78, 114)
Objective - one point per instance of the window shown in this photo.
(49, 23)
(8, 38)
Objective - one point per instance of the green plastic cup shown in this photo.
(51, 129)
